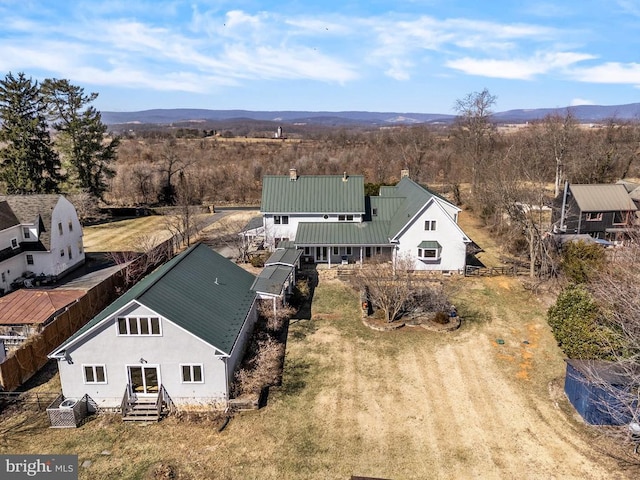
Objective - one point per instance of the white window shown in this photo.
(26, 233)
(80, 247)
(60, 228)
(94, 374)
(430, 225)
(70, 226)
(307, 250)
(29, 259)
(62, 252)
(14, 243)
(192, 373)
(336, 250)
(343, 218)
(594, 216)
(69, 252)
(374, 211)
(4, 277)
(281, 219)
(138, 326)
(348, 250)
(620, 218)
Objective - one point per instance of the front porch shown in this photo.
(333, 255)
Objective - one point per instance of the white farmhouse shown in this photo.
(40, 234)
(331, 220)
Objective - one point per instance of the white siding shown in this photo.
(175, 347)
(289, 231)
(453, 256)
(58, 262)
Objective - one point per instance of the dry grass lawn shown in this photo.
(483, 402)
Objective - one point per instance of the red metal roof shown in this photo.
(32, 306)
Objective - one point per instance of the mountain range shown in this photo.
(583, 113)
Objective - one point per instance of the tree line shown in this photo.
(78, 157)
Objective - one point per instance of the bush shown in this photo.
(442, 318)
(580, 260)
(579, 327)
(258, 260)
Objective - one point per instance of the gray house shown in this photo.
(180, 333)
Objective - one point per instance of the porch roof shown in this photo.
(429, 244)
(284, 256)
(343, 233)
(272, 279)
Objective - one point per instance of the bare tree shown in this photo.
(147, 254)
(391, 287)
(474, 130)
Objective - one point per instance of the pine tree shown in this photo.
(28, 162)
(81, 136)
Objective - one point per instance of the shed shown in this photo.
(600, 391)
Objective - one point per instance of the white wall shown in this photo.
(289, 231)
(174, 347)
(451, 239)
(63, 213)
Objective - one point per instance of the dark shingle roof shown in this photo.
(313, 194)
(7, 217)
(199, 290)
(36, 209)
(284, 256)
(272, 279)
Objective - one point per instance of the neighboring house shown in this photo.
(603, 211)
(27, 311)
(40, 234)
(332, 221)
(182, 331)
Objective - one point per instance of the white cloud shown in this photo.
(519, 68)
(609, 72)
(581, 101)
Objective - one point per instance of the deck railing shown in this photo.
(125, 405)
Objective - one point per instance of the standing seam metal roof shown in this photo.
(313, 194)
(602, 198)
(199, 290)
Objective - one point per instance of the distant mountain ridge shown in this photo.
(583, 113)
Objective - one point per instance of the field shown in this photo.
(484, 401)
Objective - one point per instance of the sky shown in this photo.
(332, 55)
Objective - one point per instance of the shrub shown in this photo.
(441, 318)
(579, 327)
(580, 260)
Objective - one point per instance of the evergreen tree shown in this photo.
(81, 137)
(28, 162)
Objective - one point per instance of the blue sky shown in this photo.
(401, 56)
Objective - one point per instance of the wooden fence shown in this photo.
(32, 355)
(512, 270)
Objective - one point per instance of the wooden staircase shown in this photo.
(145, 409)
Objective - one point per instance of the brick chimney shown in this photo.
(293, 174)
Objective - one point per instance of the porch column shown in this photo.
(329, 256)
(361, 256)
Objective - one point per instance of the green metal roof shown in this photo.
(199, 290)
(284, 256)
(386, 207)
(313, 194)
(429, 244)
(343, 233)
(272, 279)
